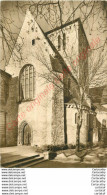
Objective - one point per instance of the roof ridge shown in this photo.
(62, 26)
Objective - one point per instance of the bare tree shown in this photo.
(54, 14)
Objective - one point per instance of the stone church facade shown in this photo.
(36, 108)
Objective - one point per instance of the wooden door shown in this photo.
(27, 135)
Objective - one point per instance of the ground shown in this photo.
(96, 157)
(55, 164)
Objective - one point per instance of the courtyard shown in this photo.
(95, 157)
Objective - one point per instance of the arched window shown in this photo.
(87, 119)
(64, 41)
(76, 118)
(27, 82)
(59, 42)
(69, 86)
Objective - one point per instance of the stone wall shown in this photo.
(58, 115)
(82, 58)
(8, 109)
(72, 126)
(4, 93)
(12, 113)
(39, 119)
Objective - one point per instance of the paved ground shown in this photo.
(9, 154)
(55, 164)
(96, 157)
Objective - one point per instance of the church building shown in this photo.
(36, 106)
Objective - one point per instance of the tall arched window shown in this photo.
(59, 42)
(64, 41)
(27, 82)
(76, 118)
(69, 86)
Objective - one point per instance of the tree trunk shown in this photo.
(78, 138)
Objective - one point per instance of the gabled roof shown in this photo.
(99, 94)
(77, 102)
(59, 61)
(5, 73)
(100, 108)
(62, 26)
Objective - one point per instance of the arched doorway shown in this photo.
(26, 135)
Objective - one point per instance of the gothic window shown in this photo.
(59, 42)
(27, 82)
(87, 119)
(64, 41)
(69, 85)
(76, 115)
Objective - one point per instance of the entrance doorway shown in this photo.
(26, 135)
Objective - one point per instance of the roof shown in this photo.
(75, 100)
(99, 94)
(99, 97)
(62, 26)
(78, 102)
(100, 108)
(4, 73)
(55, 68)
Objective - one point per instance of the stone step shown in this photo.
(31, 165)
(26, 163)
(21, 160)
